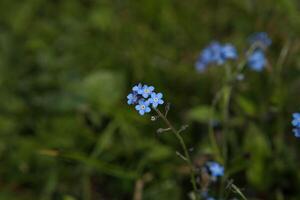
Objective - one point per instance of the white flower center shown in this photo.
(143, 107)
(155, 99)
(146, 91)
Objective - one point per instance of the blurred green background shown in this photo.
(66, 67)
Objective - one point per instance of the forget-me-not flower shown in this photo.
(262, 38)
(296, 124)
(146, 91)
(215, 169)
(156, 99)
(229, 52)
(257, 60)
(215, 53)
(143, 107)
(296, 132)
(296, 120)
(137, 88)
(132, 98)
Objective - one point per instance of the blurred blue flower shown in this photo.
(296, 132)
(143, 107)
(215, 169)
(156, 99)
(146, 91)
(210, 198)
(215, 53)
(132, 98)
(229, 52)
(296, 120)
(262, 38)
(257, 60)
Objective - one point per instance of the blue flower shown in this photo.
(215, 53)
(146, 91)
(257, 60)
(215, 169)
(296, 124)
(132, 98)
(156, 99)
(229, 52)
(143, 107)
(296, 132)
(210, 198)
(137, 88)
(200, 66)
(296, 120)
(262, 38)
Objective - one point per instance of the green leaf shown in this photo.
(201, 113)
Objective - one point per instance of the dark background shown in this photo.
(66, 67)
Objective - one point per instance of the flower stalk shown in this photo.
(184, 148)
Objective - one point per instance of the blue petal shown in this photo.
(296, 115)
(138, 107)
(159, 95)
(142, 112)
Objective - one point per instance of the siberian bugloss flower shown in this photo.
(215, 169)
(257, 60)
(215, 53)
(144, 97)
(262, 38)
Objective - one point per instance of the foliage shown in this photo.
(66, 67)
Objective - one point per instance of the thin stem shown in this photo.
(211, 133)
(185, 150)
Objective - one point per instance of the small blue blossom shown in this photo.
(132, 98)
(215, 53)
(137, 88)
(229, 52)
(296, 132)
(257, 60)
(215, 169)
(146, 91)
(143, 107)
(296, 124)
(156, 99)
(296, 120)
(262, 38)
(210, 198)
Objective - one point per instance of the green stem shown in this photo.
(185, 150)
(211, 133)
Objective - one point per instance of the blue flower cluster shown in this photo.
(215, 53)
(296, 124)
(257, 60)
(215, 170)
(143, 97)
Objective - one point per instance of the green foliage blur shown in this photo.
(66, 67)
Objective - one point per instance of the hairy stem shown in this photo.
(185, 150)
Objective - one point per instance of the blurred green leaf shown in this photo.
(201, 114)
